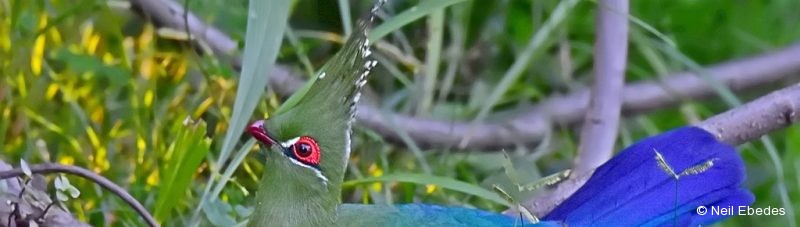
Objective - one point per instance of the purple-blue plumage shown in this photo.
(631, 189)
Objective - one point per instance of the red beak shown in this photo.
(257, 130)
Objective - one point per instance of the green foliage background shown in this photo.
(89, 83)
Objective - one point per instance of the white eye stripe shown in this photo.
(290, 142)
(316, 171)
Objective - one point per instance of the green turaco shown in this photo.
(307, 143)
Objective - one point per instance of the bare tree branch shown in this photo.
(531, 126)
(601, 123)
(774, 111)
(167, 13)
(100, 180)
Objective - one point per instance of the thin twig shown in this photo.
(601, 123)
(776, 110)
(89, 175)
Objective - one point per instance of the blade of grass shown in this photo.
(389, 50)
(208, 194)
(265, 29)
(455, 51)
(432, 56)
(772, 151)
(299, 51)
(71, 140)
(344, 12)
(5, 113)
(393, 70)
(237, 160)
(508, 166)
(266, 24)
(418, 154)
(647, 27)
(426, 179)
(188, 151)
(655, 60)
(424, 8)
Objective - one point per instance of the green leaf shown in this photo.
(184, 155)
(425, 179)
(265, 27)
(410, 15)
(432, 57)
(508, 166)
(266, 23)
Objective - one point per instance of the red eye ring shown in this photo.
(306, 151)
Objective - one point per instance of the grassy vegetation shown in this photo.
(93, 85)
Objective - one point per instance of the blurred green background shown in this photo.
(92, 84)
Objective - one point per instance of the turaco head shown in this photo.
(307, 141)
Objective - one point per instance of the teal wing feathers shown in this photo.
(422, 215)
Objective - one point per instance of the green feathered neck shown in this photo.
(290, 196)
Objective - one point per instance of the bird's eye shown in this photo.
(306, 151)
(303, 150)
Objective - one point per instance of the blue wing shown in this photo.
(632, 190)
